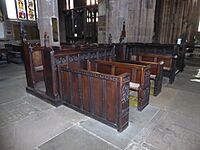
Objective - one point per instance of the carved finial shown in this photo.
(46, 39)
(110, 39)
(123, 33)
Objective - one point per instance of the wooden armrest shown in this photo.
(175, 56)
(134, 86)
(39, 68)
(162, 62)
(152, 76)
(166, 68)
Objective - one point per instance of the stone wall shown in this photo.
(140, 22)
(177, 19)
(102, 9)
(48, 9)
(61, 4)
(138, 16)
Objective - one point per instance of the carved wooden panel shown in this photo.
(101, 96)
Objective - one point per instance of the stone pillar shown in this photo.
(117, 13)
(61, 7)
(138, 16)
(48, 9)
(102, 22)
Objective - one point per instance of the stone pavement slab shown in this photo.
(188, 104)
(178, 101)
(70, 114)
(37, 128)
(138, 120)
(171, 135)
(144, 146)
(77, 138)
(183, 80)
(111, 135)
(142, 118)
(169, 130)
(19, 81)
(15, 111)
(164, 98)
(37, 103)
(21, 108)
(11, 93)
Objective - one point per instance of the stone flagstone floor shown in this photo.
(170, 122)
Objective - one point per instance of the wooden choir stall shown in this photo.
(172, 55)
(96, 79)
(46, 72)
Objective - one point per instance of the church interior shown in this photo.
(99, 75)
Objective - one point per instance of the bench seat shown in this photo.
(139, 77)
(169, 66)
(156, 72)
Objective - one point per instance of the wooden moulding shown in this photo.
(101, 96)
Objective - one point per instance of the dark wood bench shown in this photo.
(4, 55)
(169, 67)
(177, 52)
(173, 50)
(33, 58)
(14, 53)
(37, 61)
(38, 69)
(139, 77)
(73, 58)
(101, 96)
(156, 73)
